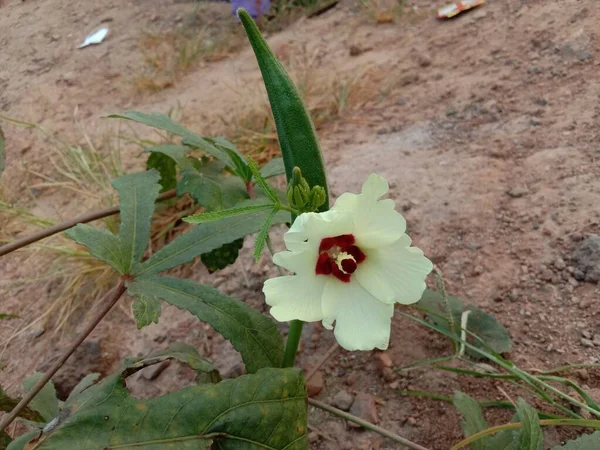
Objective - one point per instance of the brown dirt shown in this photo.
(459, 114)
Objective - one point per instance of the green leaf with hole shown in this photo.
(491, 333)
(2, 152)
(295, 130)
(266, 410)
(146, 310)
(273, 168)
(101, 244)
(211, 188)
(473, 418)
(164, 122)
(255, 336)
(137, 194)
(85, 383)
(205, 238)
(583, 442)
(166, 168)
(45, 402)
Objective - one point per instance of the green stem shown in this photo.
(291, 345)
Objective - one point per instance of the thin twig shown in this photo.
(89, 217)
(50, 373)
(322, 361)
(368, 425)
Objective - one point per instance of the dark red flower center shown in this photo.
(338, 256)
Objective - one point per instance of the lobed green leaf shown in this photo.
(295, 130)
(101, 244)
(255, 336)
(146, 310)
(137, 194)
(223, 214)
(164, 122)
(181, 352)
(205, 238)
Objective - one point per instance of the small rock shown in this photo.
(315, 384)
(394, 385)
(154, 17)
(152, 372)
(596, 340)
(388, 374)
(424, 60)
(546, 275)
(384, 360)
(365, 408)
(586, 342)
(351, 379)
(481, 14)
(560, 264)
(582, 374)
(355, 50)
(343, 400)
(313, 437)
(586, 334)
(587, 260)
(517, 192)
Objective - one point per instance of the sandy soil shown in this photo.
(486, 126)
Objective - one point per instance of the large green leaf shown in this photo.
(164, 122)
(85, 383)
(101, 243)
(137, 194)
(205, 238)
(262, 411)
(583, 442)
(146, 310)
(211, 188)
(2, 152)
(473, 418)
(295, 130)
(166, 168)
(45, 402)
(255, 336)
(491, 333)
(20, 442)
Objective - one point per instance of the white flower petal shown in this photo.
(395, 273)
(301, 263)
(309, 228)
(377, 223)
(295, 297)
(361, 321)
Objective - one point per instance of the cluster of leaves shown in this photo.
(267, 411)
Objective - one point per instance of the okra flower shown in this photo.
(350, 265)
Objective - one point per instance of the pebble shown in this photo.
(560, 264)
(596, 340)
(315, 385)
(586, 342)
(384, 360)
(586, 334)
(364, 407)
(343, 400)
(546, 275)
(517, 192)
(388, 374)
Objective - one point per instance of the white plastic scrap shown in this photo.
(95, 38)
